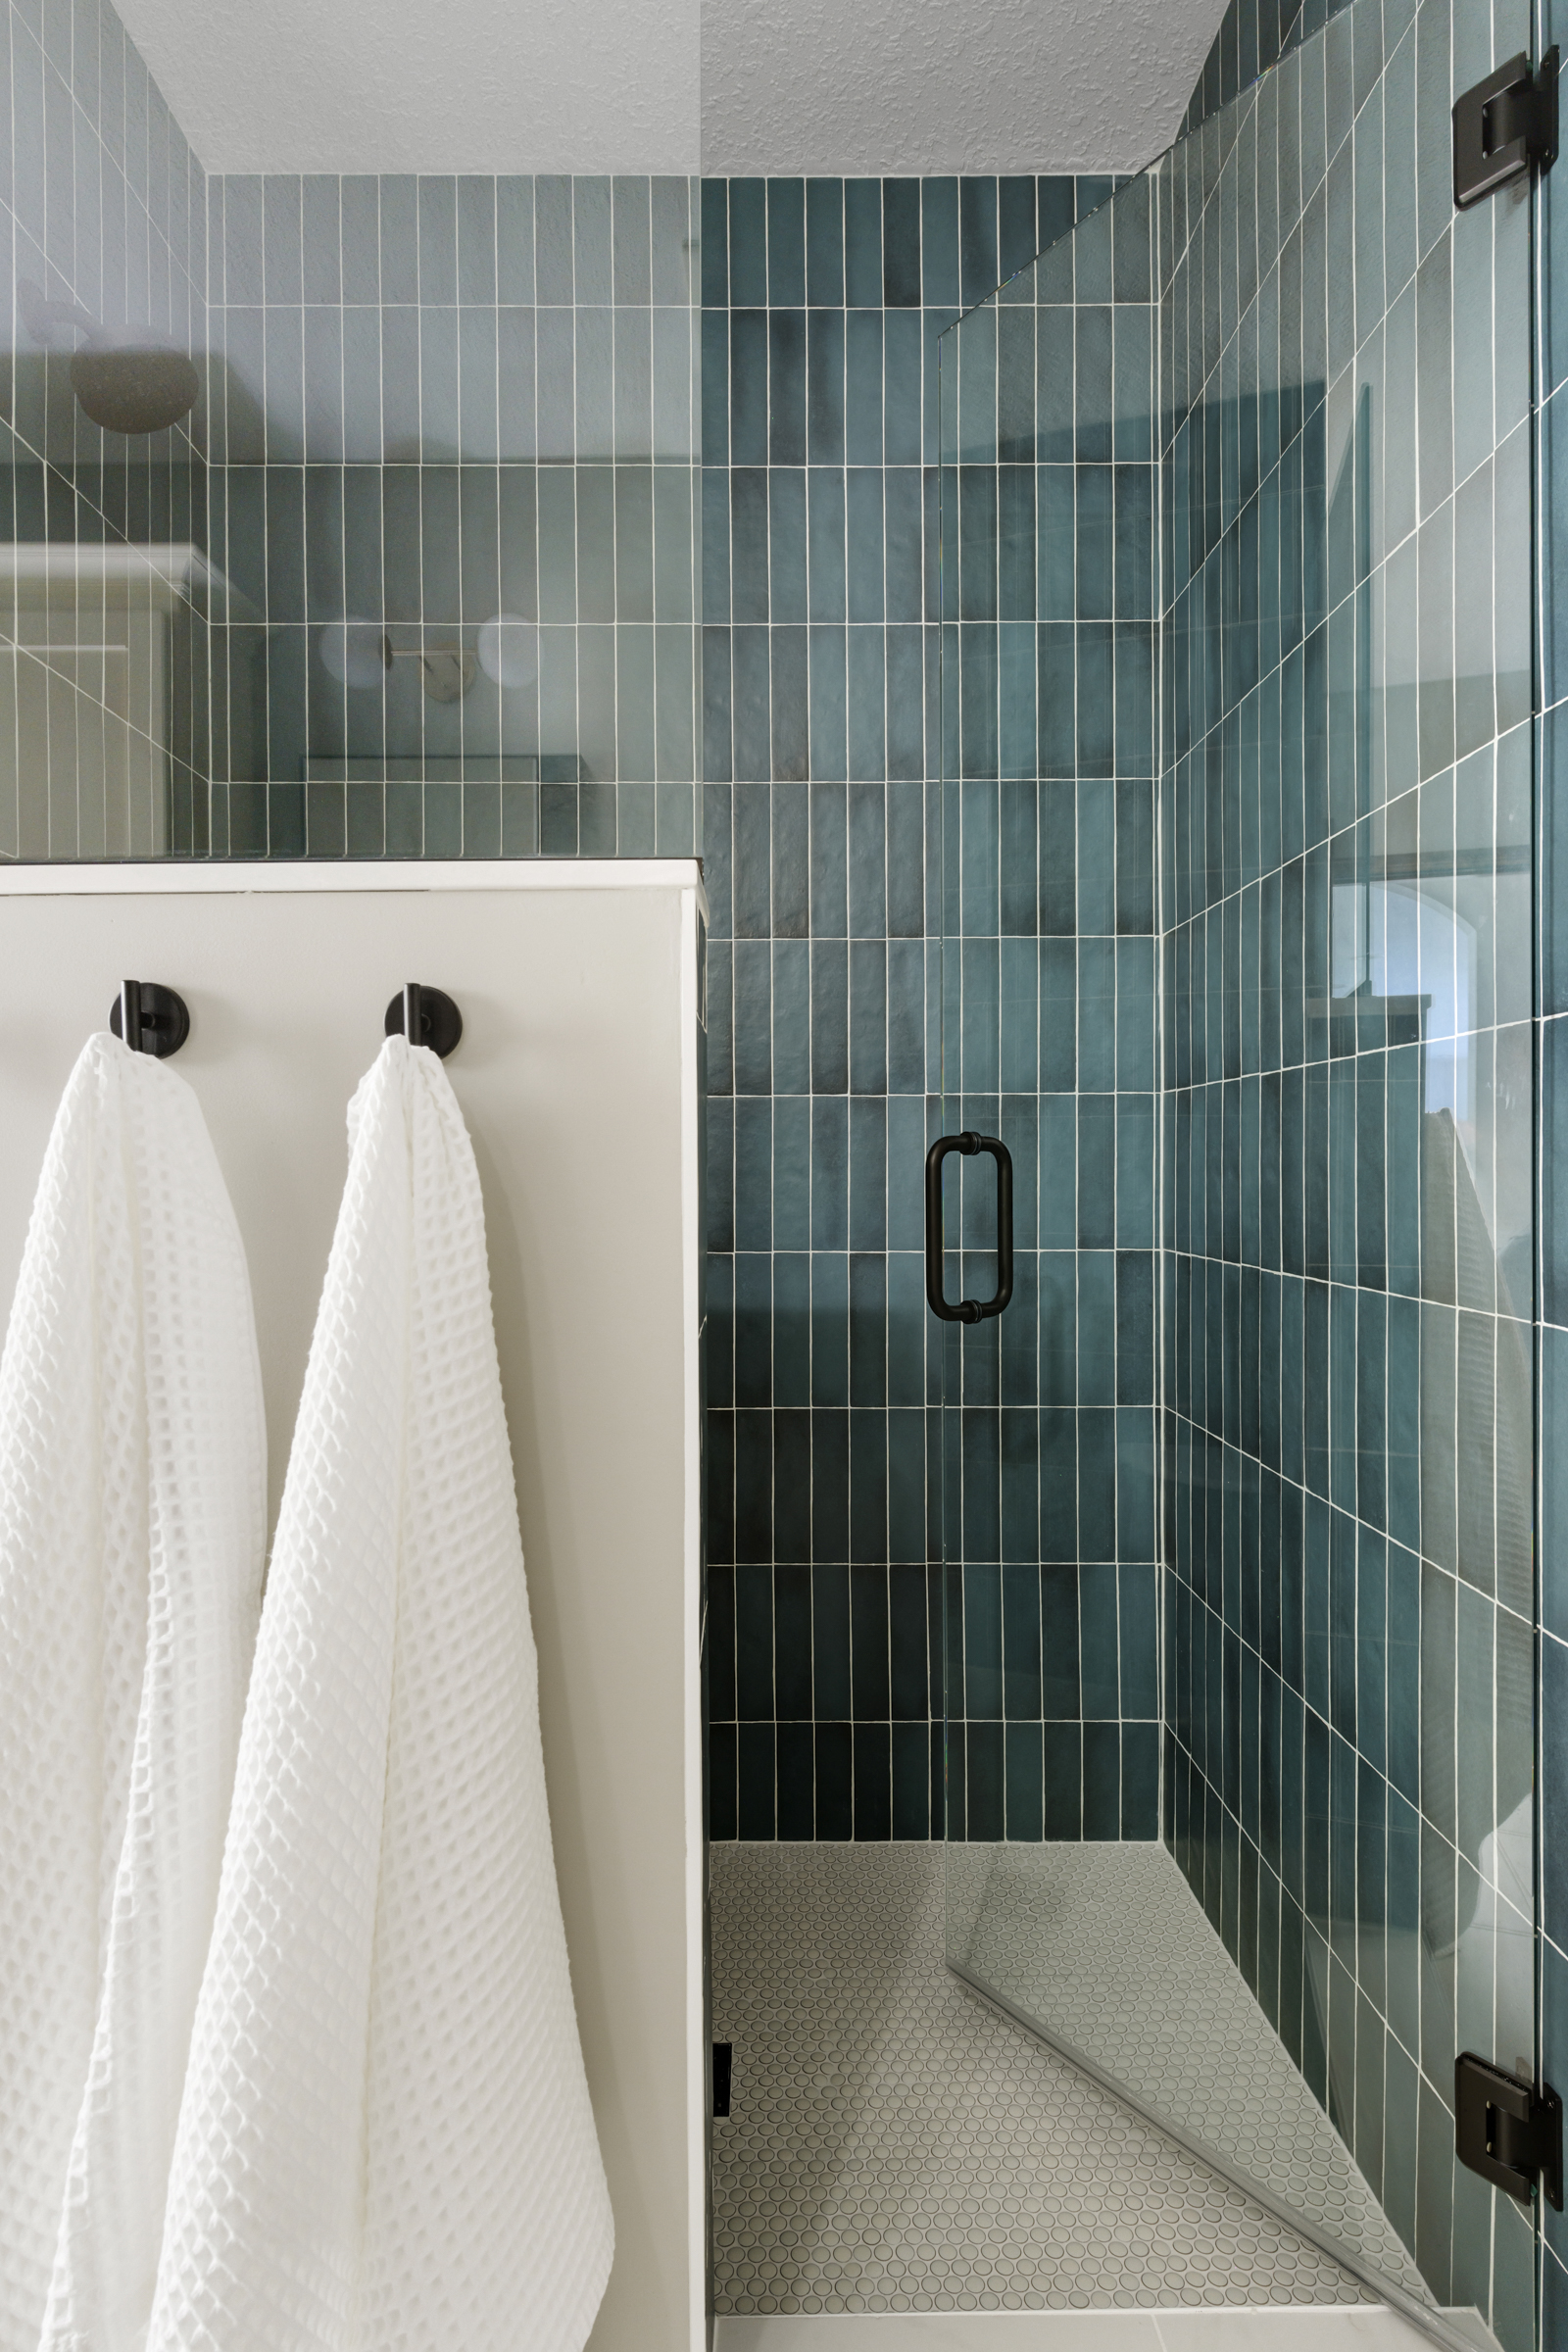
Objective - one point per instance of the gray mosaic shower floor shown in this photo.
(896, 2145)
(1106, 1947)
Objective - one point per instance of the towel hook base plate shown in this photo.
(165, 1020)
(440, 1021)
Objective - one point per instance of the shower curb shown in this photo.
(1254, 2327)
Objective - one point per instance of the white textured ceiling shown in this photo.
(613, 85)
(947, 85)
(428, 85)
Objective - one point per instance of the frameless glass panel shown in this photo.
(1237, 874)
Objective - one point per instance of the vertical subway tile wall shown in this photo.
(1254, 34)
(1048, 1022)
(103, 583)
(1348, 973)
(454, 430)
(822, 301)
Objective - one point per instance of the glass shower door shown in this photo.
(1236, 916)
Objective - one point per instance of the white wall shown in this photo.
(577, 1075)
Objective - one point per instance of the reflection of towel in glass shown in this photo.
(386, 2136)
(133, 1526)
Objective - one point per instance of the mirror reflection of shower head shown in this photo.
(129, 380)
(508, 650)
(355, 652)
(360, 653)
(135, 388)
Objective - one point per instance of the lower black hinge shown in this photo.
(1508, 2130)
(724, 2052)
(1504, 124)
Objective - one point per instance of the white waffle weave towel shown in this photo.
(132, 1529)
(386, 2139)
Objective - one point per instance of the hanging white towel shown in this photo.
(386, 2139)
(132, 1529)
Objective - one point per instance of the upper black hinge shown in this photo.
(1506, 2130)
(1502, 126)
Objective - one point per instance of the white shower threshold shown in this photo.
(1333, 2327)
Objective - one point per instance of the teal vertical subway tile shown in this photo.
(747, 242)
(242, 207)
(941, 279)
(824, 242)
(716, 243)
(786, 387)
(514, 239)
(827, 703)
(902, 391)
(755, 1810)
(830, 1324)
(863, 244)
(554, 272)
(901, 242)
(751, 703)
(1025, 1786)
(866, 696)
(1017, 233)
(1064, 1769)
(825, 361)
(1056, 209)
(1101, 1780)
(283, 196)
(785, 543)
(631, 234)
(979, 268)
(789, 715)
(748, 388)
(834, 1780)
(715, 377)
(748, 552)
(786, 242)
(862, 394)
(872, 1782)
(593, 280)
(862, 525)
(826, 546)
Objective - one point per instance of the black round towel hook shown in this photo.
(426, 1016)
(150, 1018)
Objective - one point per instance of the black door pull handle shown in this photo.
(968, 1310)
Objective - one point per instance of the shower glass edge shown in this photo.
(1129, 1940)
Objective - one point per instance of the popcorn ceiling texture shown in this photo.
(479, 86)
(1008, 85)
(731, 86)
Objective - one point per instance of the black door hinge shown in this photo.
(1504, 124)
(723, 2055)
(1506, 2130)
